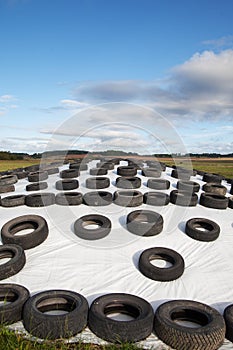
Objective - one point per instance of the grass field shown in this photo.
(14, 164)
(222, 166)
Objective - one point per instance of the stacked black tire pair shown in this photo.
(14, 245)
(7, 183)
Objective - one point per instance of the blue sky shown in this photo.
(139, 75)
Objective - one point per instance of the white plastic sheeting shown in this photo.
(94, 268)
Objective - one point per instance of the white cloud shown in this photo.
(73, 104)
(201, 88)
(7, 98)
(223, 42)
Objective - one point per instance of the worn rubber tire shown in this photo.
(210, 233)
(231, 190)
(121, 331)
(189, 186)
(97, 198)
(151, 172)
(128, 182)
(40, 199)
(129, 171)
(228, 317)
(27, 241)
(69, 173)
(37, 186)
(209, 336)
(158, 273)
(214, 201)
(38, 176)
(144, 223)
(7, 180)
(97, 182)
(13, 298)
(105, 165)
(52, 171)
(92, 234)
(214, 188)
(180, 174)
(230, 202)
(156, 198)
(17, 262)
(158, 184)
(7, 188)
(130, 198)
(98, 171)
(66, 184)
(69, 198)
(13, 201)
(207, 177)
(183, 198)
(50, 326)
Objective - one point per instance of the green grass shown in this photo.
(10, 340)
(222, 167)
(14, 164)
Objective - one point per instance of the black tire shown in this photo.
(189, 186)
(97, 182)
(83, 167)
(75, 165)
(228, 317)
(69, 173)
(50, 326)
(158, 184)
(92, 234)
(231, 190)
(52, 171)
(151, 172)
(98, 171)
(129, 171)
(156, 198)
(121, 331)
(13, 201)
(37, 186)
(158, 273)
(32, 168)
(202, 229)
(183, 198)
(214, 188)
(105, 165)
(209, 336)
(66, 184)
(130, 198)
(97, 198)
(212, 178)
(69, 198)
(7, 180)
(27, 241)
(230, 202)
(5, 189)
(180, 174)
(215, 201)
(21, 174)
(128, 182)
(38, 176)
(144, 223)
(15, 264)
(40, 199)
(13, 298)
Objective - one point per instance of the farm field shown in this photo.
(222, 166)
(14, 164)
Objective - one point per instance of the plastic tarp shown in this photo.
(108, 265)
